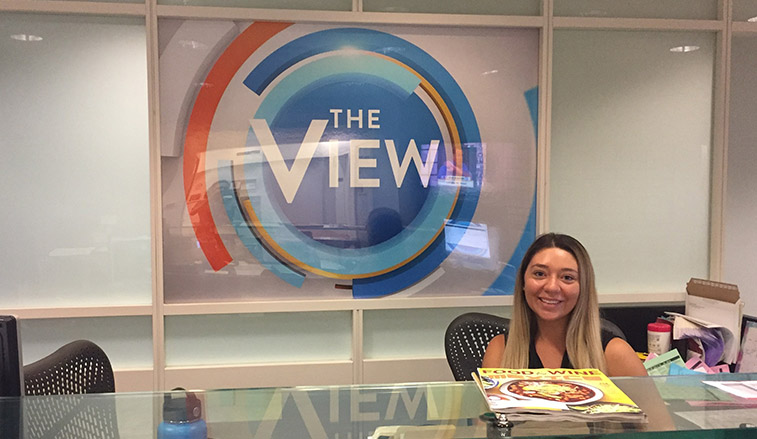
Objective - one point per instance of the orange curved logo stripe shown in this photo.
(198, 130)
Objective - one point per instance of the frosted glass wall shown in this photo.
(258, 338)
(744, 10)
(74, 168)
(630, 156)
(412, 333)
(126, 340)
(740, 240)
(689, 9)
(107, 1)
(486, 7)
(324, 5)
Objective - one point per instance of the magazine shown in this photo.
(556, 394)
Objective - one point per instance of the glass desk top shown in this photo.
(677, 406)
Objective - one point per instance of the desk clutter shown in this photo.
(706, 338)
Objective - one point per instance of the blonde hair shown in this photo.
(583, 342)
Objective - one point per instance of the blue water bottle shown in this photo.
(182, 417)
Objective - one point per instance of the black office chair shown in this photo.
(78, 368)
(607, 325)
(468, 335)
(466, 339)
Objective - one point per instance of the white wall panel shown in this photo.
(740, 242)
(630, 154)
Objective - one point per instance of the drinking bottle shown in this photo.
(182, 417)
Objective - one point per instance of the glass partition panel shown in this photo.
(630, 154)
(308, 161)
(75, 166)
(412, 333)
(107, 1)
(258, 338)
(689, 9)
(486, 7)
(126, 340)
(321, 5)
(740, 235)
(745, 10)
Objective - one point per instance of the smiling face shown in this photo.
(551, 284)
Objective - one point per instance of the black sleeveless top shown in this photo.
(534, 362)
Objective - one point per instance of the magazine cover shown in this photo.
(580, 394)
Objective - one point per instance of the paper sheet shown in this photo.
(709, 419)
(687, 326)
(748, 357)
(742, 389)
(660, 365)
(685, 389)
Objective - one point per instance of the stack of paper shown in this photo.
(718, 342)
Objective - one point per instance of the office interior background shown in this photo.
(646, 152)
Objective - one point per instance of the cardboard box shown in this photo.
(715, 302)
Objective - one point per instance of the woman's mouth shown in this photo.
(549, 301)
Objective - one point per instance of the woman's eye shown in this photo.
(538, 274)
(569, 278)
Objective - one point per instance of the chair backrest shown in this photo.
(468, 336)
(607, 325)
(466, 339)
(76, 368)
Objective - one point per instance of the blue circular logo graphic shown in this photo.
(362, 148)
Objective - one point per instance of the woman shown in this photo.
(555, 319)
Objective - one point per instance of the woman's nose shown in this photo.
(552, 284)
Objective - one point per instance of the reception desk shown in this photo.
(677, 406)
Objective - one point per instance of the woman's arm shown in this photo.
(494, 352)
(622, 360)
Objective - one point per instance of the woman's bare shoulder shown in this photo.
(622, 360)
(494, 352)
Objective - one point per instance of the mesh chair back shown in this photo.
(466, 339)
(607, 325)
(468, 336)
(77, 368)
